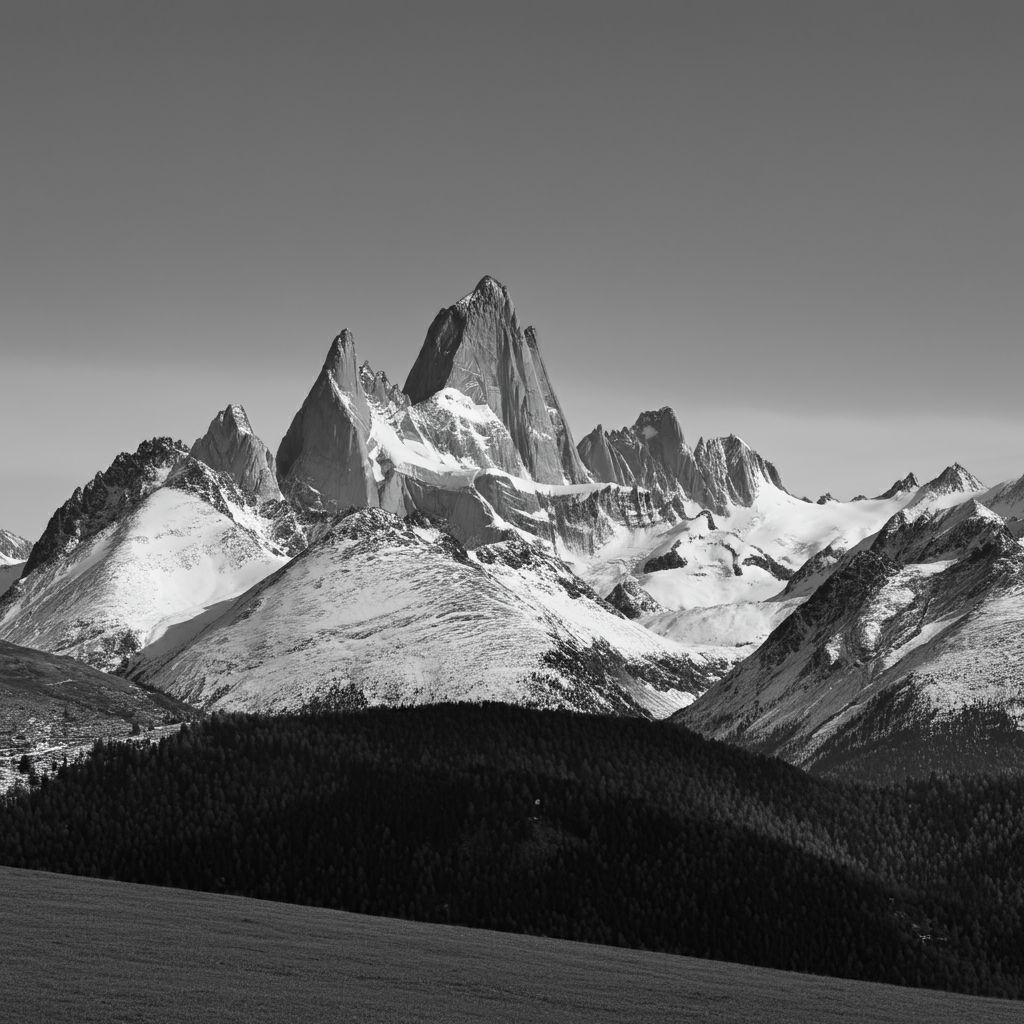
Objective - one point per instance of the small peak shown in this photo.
(955, 478)
(908, 483)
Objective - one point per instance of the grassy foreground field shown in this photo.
(86, 950)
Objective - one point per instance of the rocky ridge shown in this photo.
(653, 454)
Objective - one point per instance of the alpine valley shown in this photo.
(448, 540)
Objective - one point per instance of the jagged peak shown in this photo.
(368, 375)
(233, 416)
(908, 483)
(652, 422)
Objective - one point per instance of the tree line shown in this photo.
(590, 828)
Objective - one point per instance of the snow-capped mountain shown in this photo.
(913, 639)
(14, 552)
(448, 540)
(384, 610)
(477, 438)
(144, 554)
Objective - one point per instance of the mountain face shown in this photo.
(54, 706)
(950, 487)
(653, 454)
(129, 478)
(478, 347)
(14, 548)
(384, 610)
(144, 554)
(1007, 499)
(230, 446)
(891, 666)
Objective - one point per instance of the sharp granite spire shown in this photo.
(323, 460)
(478, 347)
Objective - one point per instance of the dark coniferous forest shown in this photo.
(550, 823)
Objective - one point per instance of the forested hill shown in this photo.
(598, 829)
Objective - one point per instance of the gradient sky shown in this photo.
(798, 222)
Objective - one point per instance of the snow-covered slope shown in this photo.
(13, 548)
(393, 611)
(912, 637)
(143, 556)
(730, 579)
(14, 552)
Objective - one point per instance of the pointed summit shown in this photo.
(957, 478)
(953, 480)
(231, 446)
(323, 461)
(478, 347)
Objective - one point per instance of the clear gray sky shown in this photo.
(797, 221)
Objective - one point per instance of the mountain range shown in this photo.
(449, 540)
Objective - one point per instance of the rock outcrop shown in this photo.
(478, 347)
(230, 446)
(323, 461)
(629, 598)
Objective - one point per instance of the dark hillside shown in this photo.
(602, 830)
